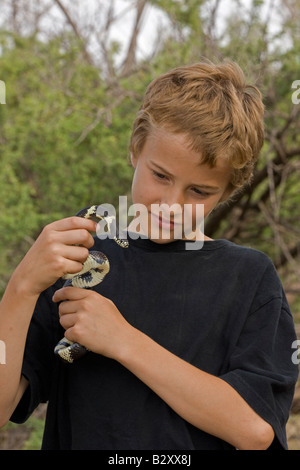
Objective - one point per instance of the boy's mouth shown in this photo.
(164, 223)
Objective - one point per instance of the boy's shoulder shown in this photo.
(252, 267)
(252, 256)
(242, 250)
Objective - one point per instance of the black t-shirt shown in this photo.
(221, 308)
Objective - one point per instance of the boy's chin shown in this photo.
(192, 238)
(163, 241)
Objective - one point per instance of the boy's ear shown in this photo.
(133, 159)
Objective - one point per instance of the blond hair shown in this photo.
(213, 106)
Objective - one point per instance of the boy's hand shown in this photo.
(61, 248)
(92, 320)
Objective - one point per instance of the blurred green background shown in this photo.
(75, 73)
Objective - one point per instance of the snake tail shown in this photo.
(69, 351)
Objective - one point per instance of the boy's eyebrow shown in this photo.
(206, 186)
(203, 186)
(161, 168)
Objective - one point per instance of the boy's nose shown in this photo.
(173, 196)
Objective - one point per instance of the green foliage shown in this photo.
(65, 129)
(64, 139)
(36, 428)
(30, 433)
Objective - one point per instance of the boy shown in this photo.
(188, 349)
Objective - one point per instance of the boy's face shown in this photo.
(168, 172)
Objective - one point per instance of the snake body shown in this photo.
(92, 273)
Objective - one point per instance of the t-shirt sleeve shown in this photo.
(39, 359)
(261, 366)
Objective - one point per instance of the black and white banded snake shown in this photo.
(93, 271)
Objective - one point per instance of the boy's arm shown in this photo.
(52, 255)
(15, 313)
(202, 399)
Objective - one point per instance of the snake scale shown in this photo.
(92, 273)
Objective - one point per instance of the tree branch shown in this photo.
(73, 25)
(281, 156)
(282, 259)
(130, 59)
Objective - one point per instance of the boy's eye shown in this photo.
(158, 175)
(200, 193)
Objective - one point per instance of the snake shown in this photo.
(93, 271)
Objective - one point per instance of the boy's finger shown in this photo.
(71, 223)
(76, 237)
(69, 293)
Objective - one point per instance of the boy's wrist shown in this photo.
(21, 285)
(129, 347)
